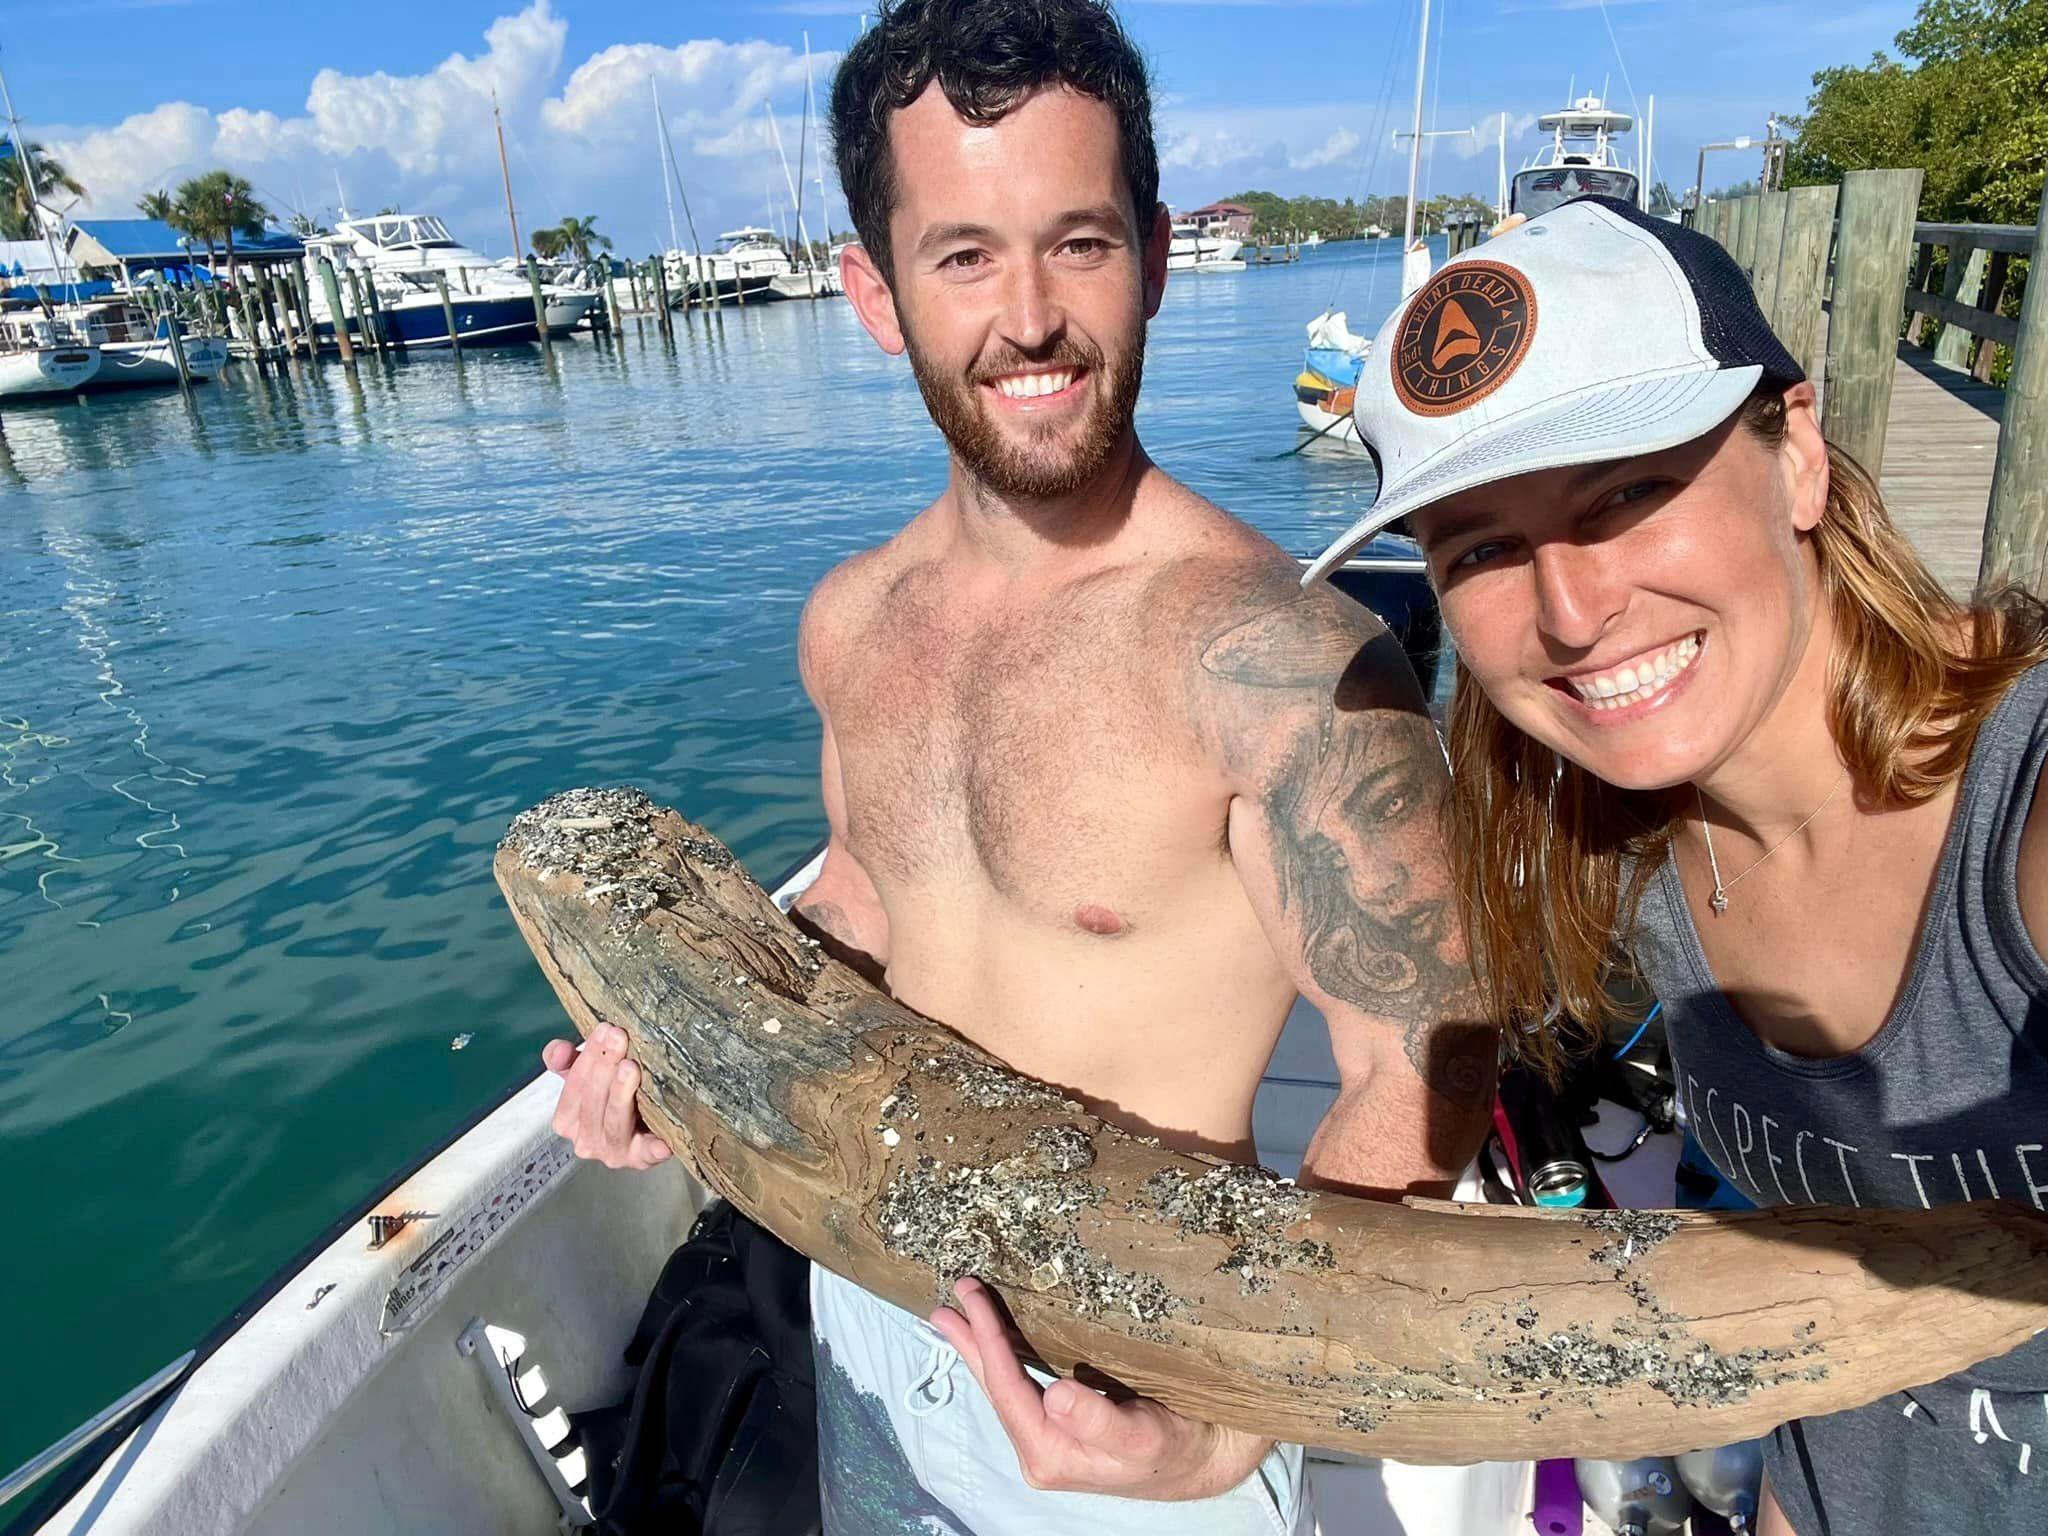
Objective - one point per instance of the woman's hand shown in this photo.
(1070, 1438)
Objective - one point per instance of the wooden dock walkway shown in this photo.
(1941, 444)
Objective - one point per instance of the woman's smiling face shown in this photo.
(1643, 616)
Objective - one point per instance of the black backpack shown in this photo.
(720, 1436)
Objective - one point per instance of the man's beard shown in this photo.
(1048, 463)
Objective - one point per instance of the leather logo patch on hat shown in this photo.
(1467, 331)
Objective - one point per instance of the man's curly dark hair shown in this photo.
(987, 56)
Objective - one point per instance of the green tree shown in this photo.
(581, 236)
(216, 207)
(1967, 101)
(155, 205)
(18, 200)
(547, 243)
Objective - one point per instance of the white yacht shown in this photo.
(411, 244)
(1196, 249)
(745, 267)
(43, 356)
(1579, 160)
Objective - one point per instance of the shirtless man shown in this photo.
(1105, 787)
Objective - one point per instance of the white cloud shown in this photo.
(1338, 147)
(582, 139)
(427, 140)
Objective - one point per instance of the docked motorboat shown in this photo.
(745, 267)
(41, 356)
(136, 348)
(808, 282)
(1196, 249)
(407, 246)
(414, 315)
(1580, 160)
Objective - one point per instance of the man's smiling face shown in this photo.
(1022, 285)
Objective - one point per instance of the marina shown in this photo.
(334, 547)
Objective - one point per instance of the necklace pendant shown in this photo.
(1718, 901)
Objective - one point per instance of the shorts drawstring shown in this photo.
(933, 1388)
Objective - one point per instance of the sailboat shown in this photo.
(1327, 385)
(40, 353)
(43, 357)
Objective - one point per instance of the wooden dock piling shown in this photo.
(178, 352)
(303, 300)
(279, 295)
(448, 313)
(1770, 249)
(1795, 312)
(660, 276)
(1745, 233)
(248, 327)
(540, 305)
(372, 334)
(331, 287)
(1877, 214)
(389, 338)
(2016, 524)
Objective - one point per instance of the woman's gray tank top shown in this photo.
(1948, 1101)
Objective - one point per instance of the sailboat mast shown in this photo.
(811, 106)
(1500, 202)
(792, 182)
(33, 181)
(661, 151)
(505, 170)
(1415, 142)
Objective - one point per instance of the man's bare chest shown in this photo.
(1055, 758)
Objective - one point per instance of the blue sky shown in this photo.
(1277, 94)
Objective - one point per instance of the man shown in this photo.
(1105, 788)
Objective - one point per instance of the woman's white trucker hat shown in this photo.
(1593, 332)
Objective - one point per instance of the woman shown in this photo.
(1715, 715)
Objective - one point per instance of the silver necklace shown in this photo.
(1719, 900)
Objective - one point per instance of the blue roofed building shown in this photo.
(144, 245)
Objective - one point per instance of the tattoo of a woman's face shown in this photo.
(1352, 809)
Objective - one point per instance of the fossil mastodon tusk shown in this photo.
(891, 1150)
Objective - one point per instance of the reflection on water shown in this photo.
(277, 665)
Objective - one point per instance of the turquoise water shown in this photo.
(277, 668)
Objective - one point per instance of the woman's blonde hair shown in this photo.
(1542, 847)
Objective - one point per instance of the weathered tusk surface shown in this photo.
(894, 1152)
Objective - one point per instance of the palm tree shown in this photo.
(548, 243)
(215, 208)
(156, 205)
(18, 201)
(580, 236)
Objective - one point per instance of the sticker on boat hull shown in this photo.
(467, 1232)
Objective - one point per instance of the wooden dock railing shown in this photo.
(1858, 255)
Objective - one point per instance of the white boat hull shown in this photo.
(58, 370)
(566, 308)
(1329, 427)
(806, 284)
(149, 364)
